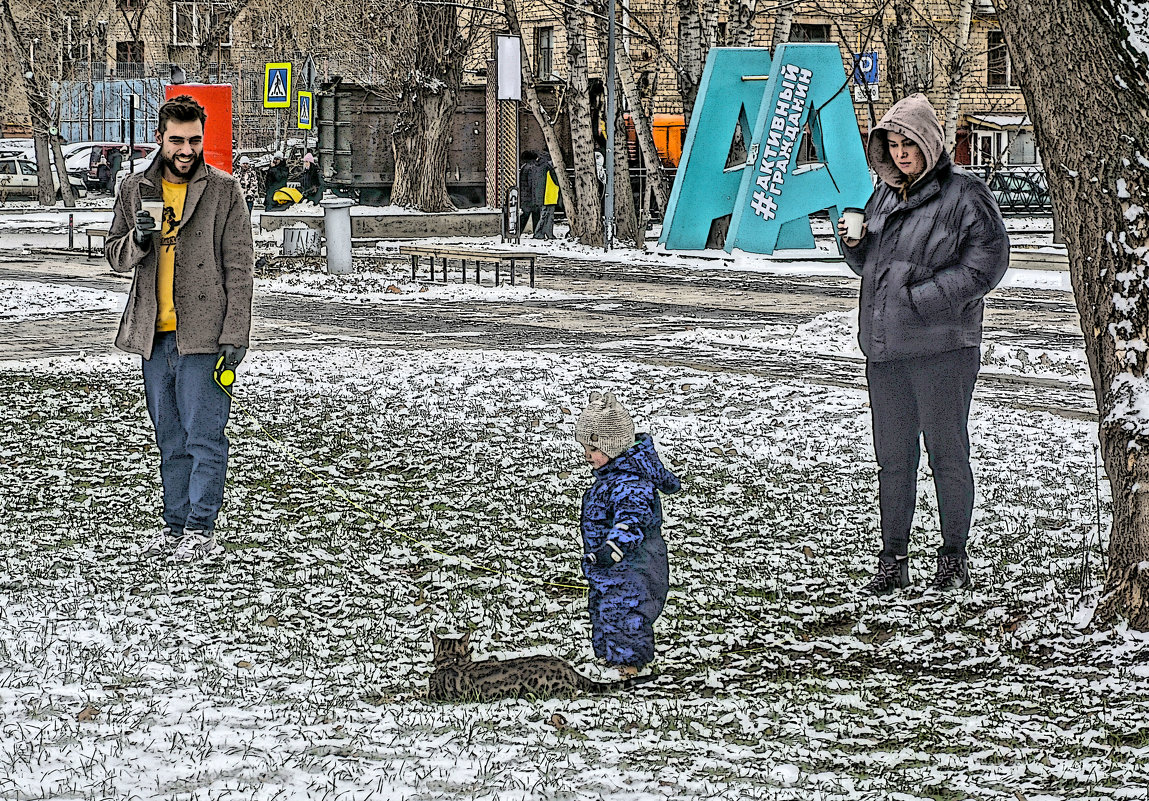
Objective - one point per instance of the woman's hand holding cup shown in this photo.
(852, 226)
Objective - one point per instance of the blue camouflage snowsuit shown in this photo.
(626, 598)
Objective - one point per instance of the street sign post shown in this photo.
(277, 86)
(306, 107)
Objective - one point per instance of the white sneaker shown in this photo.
(195, 545)
(158, 543)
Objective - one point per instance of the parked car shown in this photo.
(18, 177)
(141, 165)
(83, 158)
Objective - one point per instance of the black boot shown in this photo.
(953, 573)
(891, 576)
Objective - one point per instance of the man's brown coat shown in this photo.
(214, 266)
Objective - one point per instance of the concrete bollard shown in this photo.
(337, 226)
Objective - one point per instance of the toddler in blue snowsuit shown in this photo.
(624, 555)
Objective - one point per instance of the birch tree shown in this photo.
(1092, 127)
(25, 26)
(587, 223)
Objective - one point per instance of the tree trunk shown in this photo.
(566, 190)
(425, 112)
(898, 39)
(689, 54)
(782, 24)
(740, 22)
(66, 193)
(1091, 128)
(958, 62)
(625, 219)
(642, 130)
(586, 223)
(420, 141)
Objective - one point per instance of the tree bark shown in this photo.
(655, 176)
(587, 223)
(1092, 127)
(898, 39)
(427, 96)
(959, 60)
(740, 22)
(782, 25)
(690, 55)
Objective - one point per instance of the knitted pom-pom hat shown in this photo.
(605, 424)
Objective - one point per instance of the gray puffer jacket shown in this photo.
(931, 252)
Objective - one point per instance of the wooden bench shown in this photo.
(95, 233)
(448, 253)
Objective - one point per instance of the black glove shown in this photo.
(232, 354)
(145, 227)
(607, 555)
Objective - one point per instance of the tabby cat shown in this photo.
(457, 677)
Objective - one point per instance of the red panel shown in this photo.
(216, 100)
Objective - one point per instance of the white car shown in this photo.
(18, 177)
(141, 165)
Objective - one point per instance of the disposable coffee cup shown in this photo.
(854, 219)
(155, 209)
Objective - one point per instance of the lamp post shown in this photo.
(611, 110)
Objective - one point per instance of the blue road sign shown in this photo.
(277, 86)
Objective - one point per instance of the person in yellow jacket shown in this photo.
(546, 227)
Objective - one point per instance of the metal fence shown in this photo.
(95, 104)
(1019, 189)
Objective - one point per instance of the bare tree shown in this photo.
(691, 53)
(1092, 127)
(546, 124)
(25, 27)
(587, 223)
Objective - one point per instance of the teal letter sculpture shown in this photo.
(806, 96)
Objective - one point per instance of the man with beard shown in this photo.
(189, 310)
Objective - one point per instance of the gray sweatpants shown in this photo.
(927, 395)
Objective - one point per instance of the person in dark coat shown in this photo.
(624, 554)
(530, 191)
(310, 184)
(932, 246)
(275, 180)
(102, 174)
(115, 161)
(546, 227)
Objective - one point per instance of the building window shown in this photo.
(191, 23)
(545, 53)
(990, 148)
(807, 32)
(183, 24)
(210, 14)
(1000, 69)
(130, 59)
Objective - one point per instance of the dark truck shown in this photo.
(355, 155)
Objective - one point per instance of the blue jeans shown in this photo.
(189, 412)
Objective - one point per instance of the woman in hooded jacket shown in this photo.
(932, 246)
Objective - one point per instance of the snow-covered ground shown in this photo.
(376, 495)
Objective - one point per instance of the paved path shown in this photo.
(620, 308)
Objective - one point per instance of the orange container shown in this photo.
(216, 101)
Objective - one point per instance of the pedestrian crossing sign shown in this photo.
(277, 86)
(305, 110)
